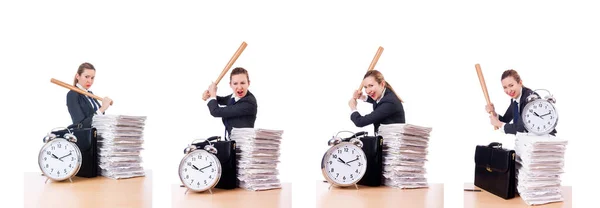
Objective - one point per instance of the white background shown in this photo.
(304, 59)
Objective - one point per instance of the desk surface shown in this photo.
(232, 198)
(379, 197)
(88, 192)
(488, 200)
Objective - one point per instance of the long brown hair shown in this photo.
(82, 68)
(379, 78)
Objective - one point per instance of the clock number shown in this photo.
(185, 170)
(48, 152)
(527, 115)
(45, 158)
(211, 163)
(198, 183)
(189, 164)
(351, 176)
(212, 170)
(352, 151)
(534, 107)
(46, 165)
(546, 107)
(72, 159)
(551, 117)
(357, 156)
(52, 170)
(192, 181)
(59, 145)
(337, 174)
(331, 170)
(339, 151)
(356, 171)
(200, 157)
(70, 165)
(359, 164)
(205, 182)
(531, 111)
(548, 122)
(187, 176)
(334, 156)
(53, 148)
(528, 121)
(540, 105)
(65, 170)
(344, 178)
(345, 149)
(193, 159)
(210, 176)
(330, 162)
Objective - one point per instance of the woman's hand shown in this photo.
(490, 108)
(205, 95)
(212, 90)
(495, 122)
(352, 104)
(106, 101)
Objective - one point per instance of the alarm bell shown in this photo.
(356, 142)
(334, 141)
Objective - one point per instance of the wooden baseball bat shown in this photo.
(231, 61)
(373, 62)
(484, 87)
(76, 89)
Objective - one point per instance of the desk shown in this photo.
(88, 192)
(232, 198)
(379, 197)
(488, 200)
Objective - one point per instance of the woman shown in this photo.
(513, 87)
(387, 106)
(240, 107)
(83, 108)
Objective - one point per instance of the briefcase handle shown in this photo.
(495, 145)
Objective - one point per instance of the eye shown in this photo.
(510, 85)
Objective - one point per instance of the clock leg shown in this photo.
(46, 180)
(356, 186)
(70, 180)
(210, 190)
(186, 190)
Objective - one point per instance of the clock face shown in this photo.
(200, 170)
(539, 117)
(344, 164)
(59, 159)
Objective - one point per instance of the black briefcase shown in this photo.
(227, 156)
(373, 148)
(87, 142)
(495, 170)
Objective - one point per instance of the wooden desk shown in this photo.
(488, 200)
(379, 197)
(88, 192)
(232, 198)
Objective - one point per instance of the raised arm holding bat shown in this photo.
(83, 107)
(387, 106)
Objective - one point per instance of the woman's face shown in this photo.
(511, 87)
(239, 84)
(372, 88)
(86, 79)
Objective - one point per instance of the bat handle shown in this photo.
(493, 114)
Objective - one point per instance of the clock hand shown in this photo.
(205, 167)
(54, 156)
(545, 114)
(194, 167)
(64, 156)
(342, 161)
(535, 113)
(352, 160)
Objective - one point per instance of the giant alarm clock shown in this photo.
(539, 115)
(60, 158)
(200, 169)
(344, 163)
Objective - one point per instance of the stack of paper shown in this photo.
(120, 140)
(257, 156)
(404, 155)
(540, 162)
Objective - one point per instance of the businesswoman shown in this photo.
(83, 108)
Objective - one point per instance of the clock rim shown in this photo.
(330, 180)
(77, 164)
(544, 132)
(217, 178)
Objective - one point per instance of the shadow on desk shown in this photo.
(88, 192)
(486, 199)
(380, 197)
(276, 198)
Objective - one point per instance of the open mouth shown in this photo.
(239, 93)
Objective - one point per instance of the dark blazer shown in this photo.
(80, 108)
(242, 114)
(389, 110)
(508, 115)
